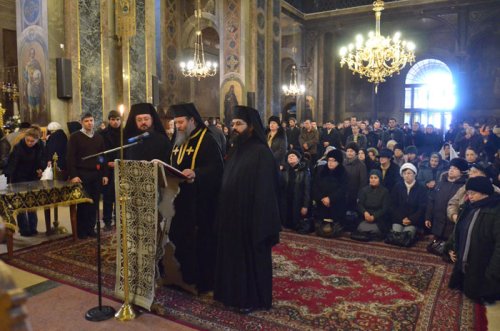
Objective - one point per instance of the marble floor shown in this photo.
(38, 301)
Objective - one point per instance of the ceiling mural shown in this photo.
(315, 6)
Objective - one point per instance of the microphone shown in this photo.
(138, 138)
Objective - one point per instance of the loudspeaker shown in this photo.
(64, 84)
(155, 90)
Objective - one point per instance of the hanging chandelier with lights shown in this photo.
(293, 89)
(198, 67)
(378, 57)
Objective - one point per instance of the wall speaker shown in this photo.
(64, 84)
(155, 90)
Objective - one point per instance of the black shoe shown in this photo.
(245, 311)
(92, 234)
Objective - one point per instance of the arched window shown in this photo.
(429, 94)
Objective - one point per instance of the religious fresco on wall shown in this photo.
(233, 94)
(33, 61)
(170, 74)
(232, 36)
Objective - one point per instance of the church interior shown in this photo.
(60, 59)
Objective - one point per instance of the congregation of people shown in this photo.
(370, 181)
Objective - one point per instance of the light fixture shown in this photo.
(293, 88)
(378, 57)
(197, 67)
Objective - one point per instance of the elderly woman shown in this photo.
(296, 192)
(476, 247)
(373, 207)
(409, 199)
(26, 164)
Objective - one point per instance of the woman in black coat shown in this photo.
(296, 192)
(329, 189)
(276, 140)
(408, 202)
(26, 164)
(56, 143)
(374, 203)
(476, 247)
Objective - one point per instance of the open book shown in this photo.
(171, 170)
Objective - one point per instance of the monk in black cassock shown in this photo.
(248, 220)
(144, 118)
(197, 154)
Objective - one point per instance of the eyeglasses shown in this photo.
(238, 123)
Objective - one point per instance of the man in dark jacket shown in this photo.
(248, 218)
(89, 172)
(292, 135)
(111, 136)
(356, 174)
(476, 250)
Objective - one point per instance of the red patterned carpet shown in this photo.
(320, 284)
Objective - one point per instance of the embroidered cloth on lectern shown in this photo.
(140, 187)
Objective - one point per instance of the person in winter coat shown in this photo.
(356, 175)
(476, 247)
(389, 169)
(408, 202)
(297, 189)
(276, 140)
(329, 189)
(26, 164)
(429, 172)
(373, 206)
(56, 143)
(435, 217)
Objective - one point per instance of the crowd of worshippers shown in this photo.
(393, 183)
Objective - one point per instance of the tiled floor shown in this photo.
(25, 279)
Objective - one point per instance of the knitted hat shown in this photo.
(479, 184)
(385, 152)
(411, 149)
(336, 154)
(408, 165)
(54, 126)
(352, 145)
(460, 164)
(377, 173)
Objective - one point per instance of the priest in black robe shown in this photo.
(197, 154)
(248, 220)
(144, 118)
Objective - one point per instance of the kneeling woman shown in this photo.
(373, 206)
(329, 193)
(408, 199)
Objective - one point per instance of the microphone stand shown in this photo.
(101, 313)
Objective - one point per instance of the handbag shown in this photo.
(402, 239)
(305, 225)
(329, 229)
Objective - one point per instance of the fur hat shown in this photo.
(399, 146)
(479, 184)
(352, 145)
(336, 154)
(459, 163)
(377, 173)
(54, 126)
(295, 152)
(408, 165)
(385, 152)
(274, 119)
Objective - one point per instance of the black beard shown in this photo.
(237, 139)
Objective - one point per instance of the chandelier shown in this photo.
(378, 57)
(293, 88)
(197, 67)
